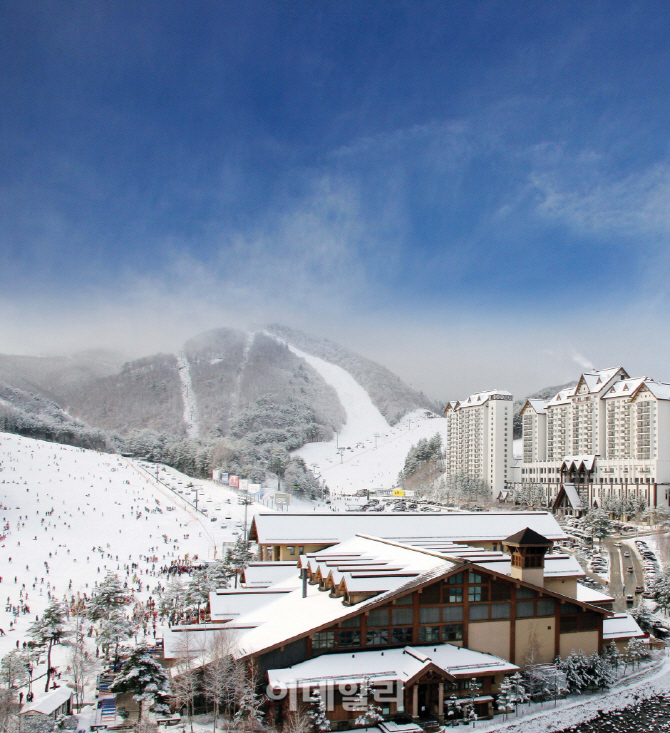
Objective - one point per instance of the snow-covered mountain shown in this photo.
(208, 387)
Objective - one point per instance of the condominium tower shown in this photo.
(479, 438)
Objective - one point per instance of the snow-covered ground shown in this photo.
(187, 396)
(84, 513)
(373, 451)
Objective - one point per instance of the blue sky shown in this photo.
(471, 192)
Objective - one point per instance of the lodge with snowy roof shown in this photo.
(420, 618)
(608, 436)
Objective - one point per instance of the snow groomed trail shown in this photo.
(188, 396)
(368, 453)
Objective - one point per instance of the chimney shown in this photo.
(527, 549)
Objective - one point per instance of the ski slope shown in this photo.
(108, 512)
(373, 451)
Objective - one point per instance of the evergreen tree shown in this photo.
(646, 620)
(115, 629)
(49, 630)
(574, 672)
(662, 591)
(505, 702)
(317, 712)
(613, 655)
(599, 523)
(146, 679)
(238, 556)
(109, 595)
(371, 714)
(249, 702)
(601, 671)
(519, 691)
(14, 669)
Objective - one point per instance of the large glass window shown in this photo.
(524, 609)
(452, 613)
(323, 640)
(351, 623)
(429, 634)
(456, 579)
(500, 592)
(348, 638)
(402, 616)
(377, 637)
(546, 607)
(475, 578)
(479, 613)
(429, 615)
(500, 610)
(453, 632)
(379, 617)
(525, 593)
(407, 600)
(430, 594)
(401, 636)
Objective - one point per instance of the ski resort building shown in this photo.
(479, 438)
(419, 621)
(609, 436)
(286, 536)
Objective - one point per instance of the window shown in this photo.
(429, 634)
(430, 594)
(475, 578)
(500, 592)
(407, 600)
(478, 593)
(291, 549)
(455, 595)
(351, 623)
(546, 607)
(569, 608)
(377, 637)
(525, 609)
(348, 638)
(323, 640)
(479, 613)
(525, 593)
(379, 617)
(453, 632)
(500, 610)
(452, 613)
(429, 615)
(456, 579)
(401, 636)
(301, 549)
(402, 616)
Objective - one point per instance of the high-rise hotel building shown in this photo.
(479, 438)
(608, 435)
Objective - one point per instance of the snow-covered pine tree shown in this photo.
(249, 703)
(645, 617)
(518, 691)
(505, 702)
(573, 671)
(14, 669)
(613, 655)
(662, 590)
(146, 679)
(48, 630)
(317, 712)
(371, 714)
(109, 595)
(238, 556)
(114, 630)
(601, 671)
(599, 523)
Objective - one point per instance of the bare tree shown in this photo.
(249, 715)
(80, 661)
(298, 721)
(190, 655)
(221, 673)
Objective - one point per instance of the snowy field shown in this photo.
(367, 462)
(83, 513)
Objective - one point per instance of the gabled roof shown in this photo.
(539, 406)
(479, 398)
(293, 616)
(569, 492)
(528, 537)
(621, 626)
(598, 379)
(49, 702)
(578, 463)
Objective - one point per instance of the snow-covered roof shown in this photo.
(313, 528)
(573, 496)
(630, 387)
(562, 397)
(267, 573)
(555, 566)
(229, 604)
(200, 638)
(540, 406)
(590, 595)
(49, 702)
(577, 463)
(621, 626)
(390, 664)
(597, 379)
(480, 398)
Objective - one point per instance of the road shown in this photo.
(623, 583)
